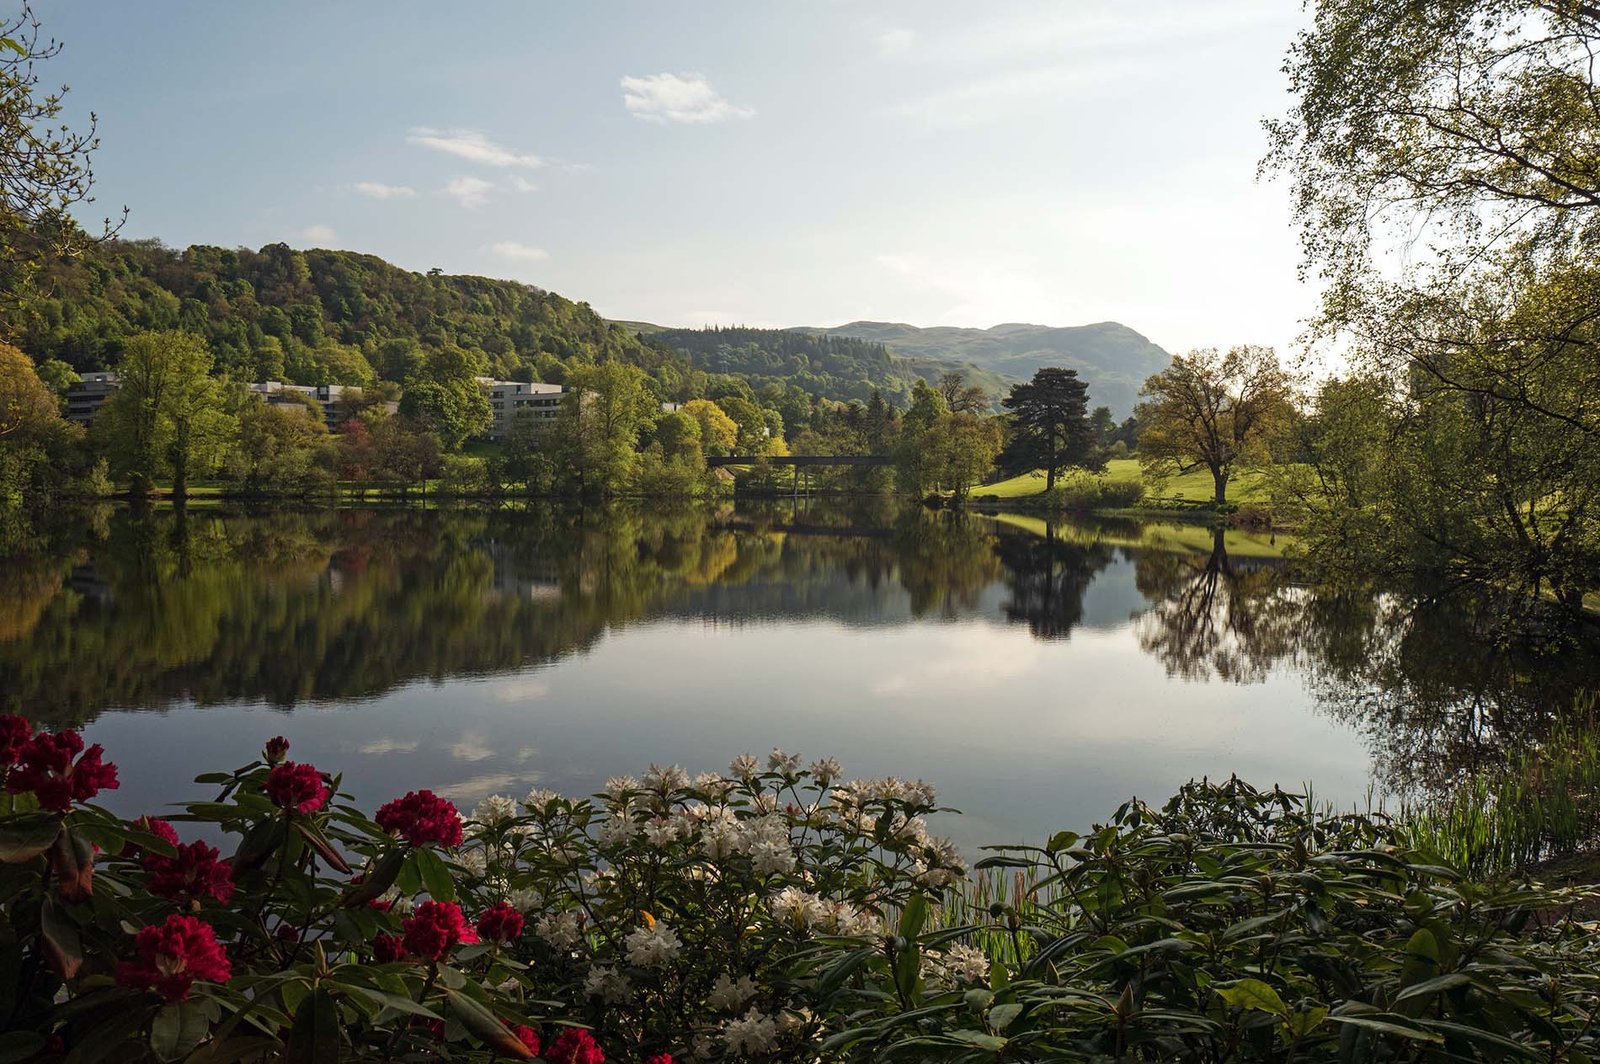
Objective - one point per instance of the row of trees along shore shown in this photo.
(1460, 440)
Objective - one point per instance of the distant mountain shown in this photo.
(1113, 358)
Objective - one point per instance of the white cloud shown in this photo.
(379, 191)
(472, 747)
(510, 249)
(379, 747)
(896, 42)
(522, 184)
(470, 144)
(685, 98)
(319, 234)
(468, 191)
(1005, 95)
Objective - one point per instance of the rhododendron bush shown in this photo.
(772, 912)
(665, 919)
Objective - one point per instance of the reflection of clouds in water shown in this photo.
(471, 747)
(968, 657)
(379, 747)
(527, 753)
(518, 689)
(476, 788)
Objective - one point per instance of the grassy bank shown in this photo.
(1188, 495)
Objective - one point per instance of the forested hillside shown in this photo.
(316, 316)
(1113, 358)
(835, 367)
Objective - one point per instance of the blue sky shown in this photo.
(685, 162)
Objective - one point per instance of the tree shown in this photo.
(1213, 411)
(959, 396)
(1050, 425)
(45, 167)
(1468, 127)
(597, 433)
(281, 446)
(718, 432)
(753, 432)
(26, 402)
(167, 416)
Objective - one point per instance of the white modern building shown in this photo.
(87, 394)
(509, 400)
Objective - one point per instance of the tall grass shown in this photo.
(1544, 803)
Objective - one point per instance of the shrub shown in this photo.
(771, 912)
(659, 919)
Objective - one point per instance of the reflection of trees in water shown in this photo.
(1442, 688)
(1438, 687)
(1216, 615)
(1047, 576)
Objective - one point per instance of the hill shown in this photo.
(319, 316)
(1113, 358)
(834, 367)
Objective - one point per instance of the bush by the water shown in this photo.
(771, 912)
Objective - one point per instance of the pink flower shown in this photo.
(500, 923)
(574, 1046)
(386, 949)
(45, 766)
(276, 747)
(297, 787)
(435, 929)
(421, 817)
(194, 873)
(527, 1036)
(173, 955)
(14, 731)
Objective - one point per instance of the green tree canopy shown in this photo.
(1050, 425)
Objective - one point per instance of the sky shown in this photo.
(808, 163)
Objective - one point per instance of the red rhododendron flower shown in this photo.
(527, 1036)
(659, 1058)
(435, 929)
(193, 874)
(574, 1046)
(173, 955)
(45, 766)
(154, 826)
(386, 949)
(500, 923)
(276, 747)
(297, 787)
(421, 817)
(14, 731)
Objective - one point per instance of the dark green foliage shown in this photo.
(1235, 925)
(314, 316)
(1050, 427)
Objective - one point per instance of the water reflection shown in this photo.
(119, 610)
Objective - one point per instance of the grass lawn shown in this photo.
(1192, 487)
(1177, 538)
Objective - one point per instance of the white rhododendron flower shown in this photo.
(495, 809)
(729, 995)
(560, 930)
(538, 798)
(825, 770)
(787, 764)
(662, 831)
(799, 910)
(399, 904)
(967, 962)
(752, 1034)
(607, 984)
(653, 944)
(525, 901)
(618, 829)
(671, 778)
(617, 787)
(745, 767)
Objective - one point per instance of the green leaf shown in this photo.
(380, 879)
(436, 877)
(22, 838)
(7, 42)
(477, 1018)
(177, 1029)
(1388, 1025)
(1002, 1016)
(62, 946)
(1432, 986)
(1253, 994)
(314, 1039)
(913, 916)
(20, 1045)
(325, 849)
(980, 1039)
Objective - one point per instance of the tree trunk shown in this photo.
(180, 463)
(1220, 477)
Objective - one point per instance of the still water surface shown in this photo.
(1038, 673)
